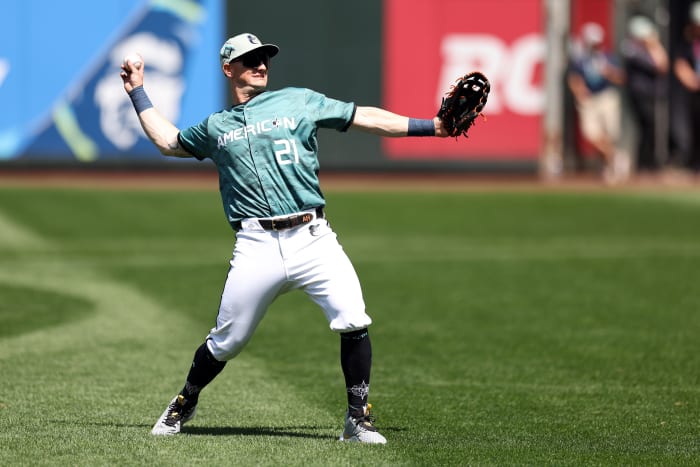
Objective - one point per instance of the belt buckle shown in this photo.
(282, 224)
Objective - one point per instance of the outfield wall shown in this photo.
(59, 74)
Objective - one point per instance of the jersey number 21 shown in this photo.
(288, 153)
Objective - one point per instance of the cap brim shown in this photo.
(270, 49)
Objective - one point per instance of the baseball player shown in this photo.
(266, 153)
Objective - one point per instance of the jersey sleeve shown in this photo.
(328, 112)
(195, 140)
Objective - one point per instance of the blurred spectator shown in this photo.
(686, 67)
(646, 68)
(592, 77)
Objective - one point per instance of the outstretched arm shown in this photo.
(686, 74)
(159, 130)
(384, 123)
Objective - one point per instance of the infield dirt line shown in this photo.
(342, 181)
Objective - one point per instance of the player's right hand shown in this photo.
(132, 76)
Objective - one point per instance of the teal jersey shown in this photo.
(266, 150)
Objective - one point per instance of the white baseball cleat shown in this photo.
(359, 427)
(174, 417)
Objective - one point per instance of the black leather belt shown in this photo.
(283, 223)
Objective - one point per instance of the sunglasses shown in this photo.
(253, 59)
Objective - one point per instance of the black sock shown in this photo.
(356, 361)
(204, 369)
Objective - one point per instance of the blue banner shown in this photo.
(61, 93)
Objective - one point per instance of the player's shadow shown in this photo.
(288, 431)
(310, 432)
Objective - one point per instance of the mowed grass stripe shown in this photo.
(379, 248)
(14, 235)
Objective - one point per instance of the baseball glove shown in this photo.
(463, 103)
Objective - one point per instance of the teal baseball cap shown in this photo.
(241, 44)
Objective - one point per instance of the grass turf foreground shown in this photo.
(510, 328)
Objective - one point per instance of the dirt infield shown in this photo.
(342, 181)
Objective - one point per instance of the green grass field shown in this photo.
(511, 328)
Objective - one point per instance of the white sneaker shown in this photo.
(622, 163)
(359, 427)
(174, 417)
(610, 177)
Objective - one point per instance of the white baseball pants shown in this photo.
(266, 264)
